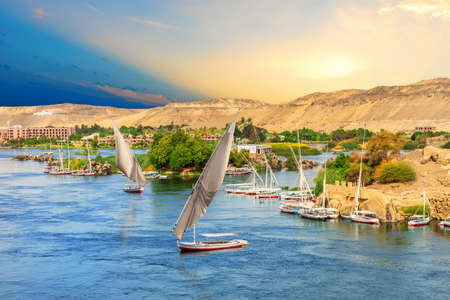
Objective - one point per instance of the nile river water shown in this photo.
(83, 238)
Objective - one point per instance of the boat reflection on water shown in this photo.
(191, 276)
(129, 221)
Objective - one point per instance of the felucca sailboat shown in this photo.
(128, 164)
(201, 197)
(420, 220)
(362, 216)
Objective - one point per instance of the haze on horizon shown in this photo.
(153, 52)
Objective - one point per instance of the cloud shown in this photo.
(95, 9)
(152, 23)
(435, 8)
(144, 98)
(39, 13)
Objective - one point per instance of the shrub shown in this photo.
(446, 145)
(396, 171)
(416, 210)
(409, 145)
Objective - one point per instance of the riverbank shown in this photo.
(388, 200)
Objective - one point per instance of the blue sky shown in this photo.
(141, 53)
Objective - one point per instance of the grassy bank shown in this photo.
(284, 149)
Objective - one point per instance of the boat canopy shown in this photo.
(207, 184)
(125, 159)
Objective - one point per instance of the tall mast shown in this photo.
(300, 160)
(324, 190)
(68, 154)
(89, 159)
(360, 174)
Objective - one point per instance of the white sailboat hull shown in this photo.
(210, 245)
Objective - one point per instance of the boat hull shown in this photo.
(134, 191)
(210, 245)
(346, 218)
(419, 222)
(313, 217)
(445, 224)
(365, 220)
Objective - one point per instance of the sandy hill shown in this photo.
(425, 103)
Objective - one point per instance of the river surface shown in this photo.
(83, 238)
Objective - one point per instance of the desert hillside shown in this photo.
(425, 103)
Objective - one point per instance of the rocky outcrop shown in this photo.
(274, 160)
(48, 157)
(437, 155)
(101, 169)
(440, 205)
(386, 206)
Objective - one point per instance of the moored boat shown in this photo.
(365, 217)
(238, 171)
(420, 220)
(445, 222)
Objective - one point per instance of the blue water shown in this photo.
(83, 238)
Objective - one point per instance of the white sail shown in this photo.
(207, 184)
(125, 159)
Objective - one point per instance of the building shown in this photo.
(211, 137)
(254, 149)
(425, 128)
(17, 132)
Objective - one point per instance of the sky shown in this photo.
(143, 53)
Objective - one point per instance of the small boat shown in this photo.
(365, 217)
(163, 176)
(133, 189)
(128, 164)
(151, 174)
(211, 245)
(445, 222)
(268, 196)
(313, 214)
(420, 220)
(238, 171)
(58, 170)
(362, 216)
(346, 218)
(330, 212)
(202, 195)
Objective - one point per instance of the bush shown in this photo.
(396, 172)
(416, 210)
(350, 145)
(446, 145)
(409, 145)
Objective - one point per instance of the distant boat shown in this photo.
(445, 222)
(330, 212)
(201, 197)
(58, 170)
(304, 194)
(361, 216)
(88, 172)
(420, 220)
(128, 164)
(238, 171)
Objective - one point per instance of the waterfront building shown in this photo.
(254, 148)
(18, 132)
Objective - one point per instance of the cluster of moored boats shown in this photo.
(60, 169)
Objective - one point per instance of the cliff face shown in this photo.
(425, 103)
